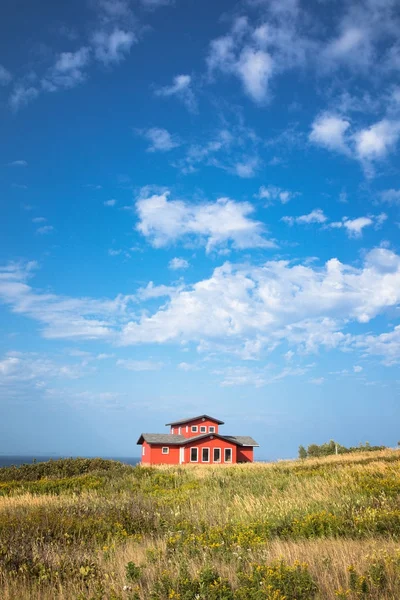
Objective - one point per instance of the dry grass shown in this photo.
(339, 515)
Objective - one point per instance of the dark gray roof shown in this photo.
(195, 419)
(242, 440)
(161, 438)
(170, 439)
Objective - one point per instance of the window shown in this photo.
(187, 428)
(205, 455)
(228, 454)
(217, 455)
(203, 429)
(172, 430)
(179, 431)
(143, 450)
(194, 428)
(165, 450)
(211, 429)
(193, 454)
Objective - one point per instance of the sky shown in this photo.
(199, 213)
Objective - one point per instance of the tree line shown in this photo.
(332, 447)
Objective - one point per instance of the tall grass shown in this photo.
(320, 528)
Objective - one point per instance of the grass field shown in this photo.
(93, 529)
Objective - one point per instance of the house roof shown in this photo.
(161, 438)
(181, 421)
(180, 440)
(242, 440)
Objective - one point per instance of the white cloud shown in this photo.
(306, 306)
(68, 70)
(45, 229)
(247, 168)
(62, 317)
(178, 263)
(357, 369)
(5, 76)
(139, 365)
(365, 145)
(160, 139)
(18, 163)
(317, 380)
(39, 220)
(255, 68)
(376, 141)
(165, 221)
(315, 216)
(112, 47)
(242, 309)
(354, 227)
(328, 130)
(181, 88)
(391, 196)
(385, 345)
(111, 202)
(21, 96)
(22, 367)
(272, 192)
(184, 366)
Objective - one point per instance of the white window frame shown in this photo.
(143, 450)
(194, 429)
(203, 428)
(187, 428)
(225, 451)
(211, 429)
(220, 455)
(172, 430)
(209, 454)
(197, 454)
(163, 449)
(179, 431)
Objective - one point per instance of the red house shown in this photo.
(195, 440)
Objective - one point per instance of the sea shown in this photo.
(17, 460)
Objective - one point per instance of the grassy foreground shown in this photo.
(87, 529)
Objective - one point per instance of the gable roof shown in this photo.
(182, 421)
(170, 439)
(242, 440)
(161, 438)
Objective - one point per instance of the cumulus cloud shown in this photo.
(315, 216)
(243, 309)
(328, 130)
(111, 47)
(391, 196)
(366, 145)
(271, 193)
(308, 307)
(376, 141)
(45, 229)
(213, 224)
(181, 88)
(178, 263)
(354, 227)
(385, 345)
(111, 202)
(160, 139)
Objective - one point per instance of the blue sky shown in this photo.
(199, 213)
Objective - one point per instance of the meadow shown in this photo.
(91, 529)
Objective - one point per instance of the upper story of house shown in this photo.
(195, 426)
